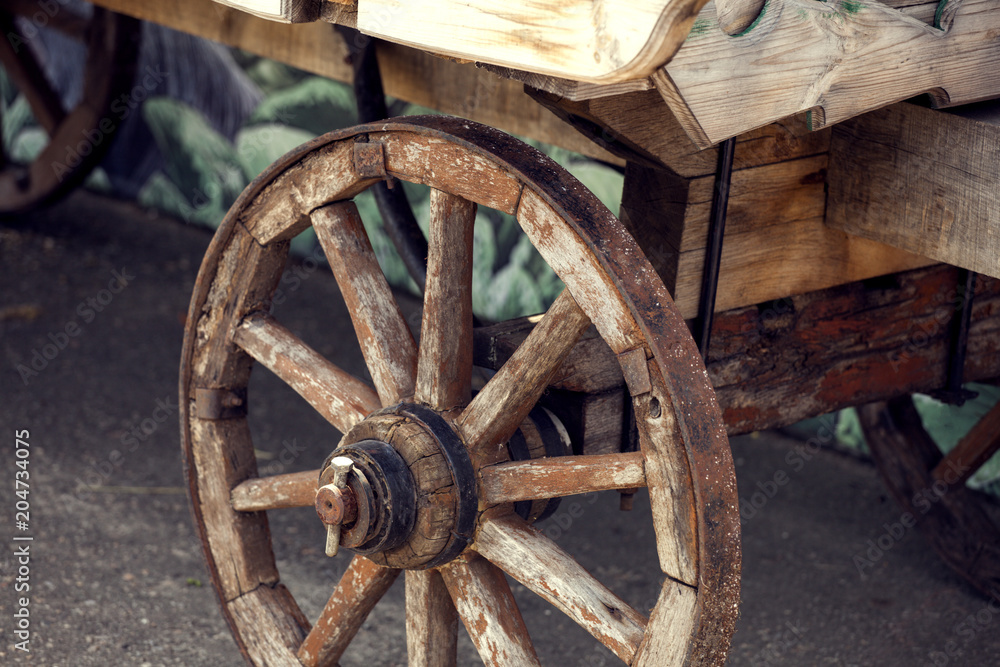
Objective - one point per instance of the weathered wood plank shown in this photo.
(833, 59)
(580, 267)
(639, 127)
(528, 556)
(362, 586)
(386, 341)
(778, 362)
(408, 74)
(666, 642)
(562, 476)
(487, 608)
(777, 261)
(444, 367)
(296, 489)
(921, 180)
(799, 251)
(431, 621)
(341, 398)
(280, 625)
(451, 168)
(573, 39)
(809, 355)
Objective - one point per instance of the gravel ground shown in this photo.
(99, 290)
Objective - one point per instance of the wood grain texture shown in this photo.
(241, 540)
(641, 128)
(561, 476)
(579, 268)
(528, 556)
(341, 398)
(408, 74)
(487, 608)
(296, 489)
(283, 210)
(589, 367)
(810, 355)
(775, 246)
(445, 166)
(666, 640)
(836, 59)
(386, 341)
(668, 477)
(431, 621)
(221, 453)
(601, 42)
(360, 588)
(444, 367)
(281, 625)
(920, 180)
(499, 408)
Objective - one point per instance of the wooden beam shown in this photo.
(776, 243)
(408, 74)
(921, 180)
(776, 363)
(833, 59)
(606, 42)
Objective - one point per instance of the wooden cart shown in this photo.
(822, 239)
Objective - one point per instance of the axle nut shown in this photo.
(336, 506)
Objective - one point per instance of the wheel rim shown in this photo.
(80, 137)
(684, 451)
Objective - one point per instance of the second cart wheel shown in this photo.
(79, 137)
(930, 486)
(421, 483)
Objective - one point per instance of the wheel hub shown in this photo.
(409, 499)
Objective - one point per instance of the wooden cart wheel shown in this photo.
(431, 491)
(931, 487)
(80, 137)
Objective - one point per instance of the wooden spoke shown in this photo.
(537, 562)
(972, 451)
(297, 489)
(30, 79)
(340, 397)
(444, 371)
(487, 608)
(386, 341)
(431, 621)
(513, 481)
(496, 411)
(362, 586)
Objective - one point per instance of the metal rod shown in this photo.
(397, 216)
(953, 392)
(713, 249)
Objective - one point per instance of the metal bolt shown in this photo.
(333, 505)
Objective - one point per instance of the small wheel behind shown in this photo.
(931, 486)
(80, 137)
(424, 466)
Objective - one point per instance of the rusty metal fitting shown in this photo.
(332, 500)
(336, 506)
